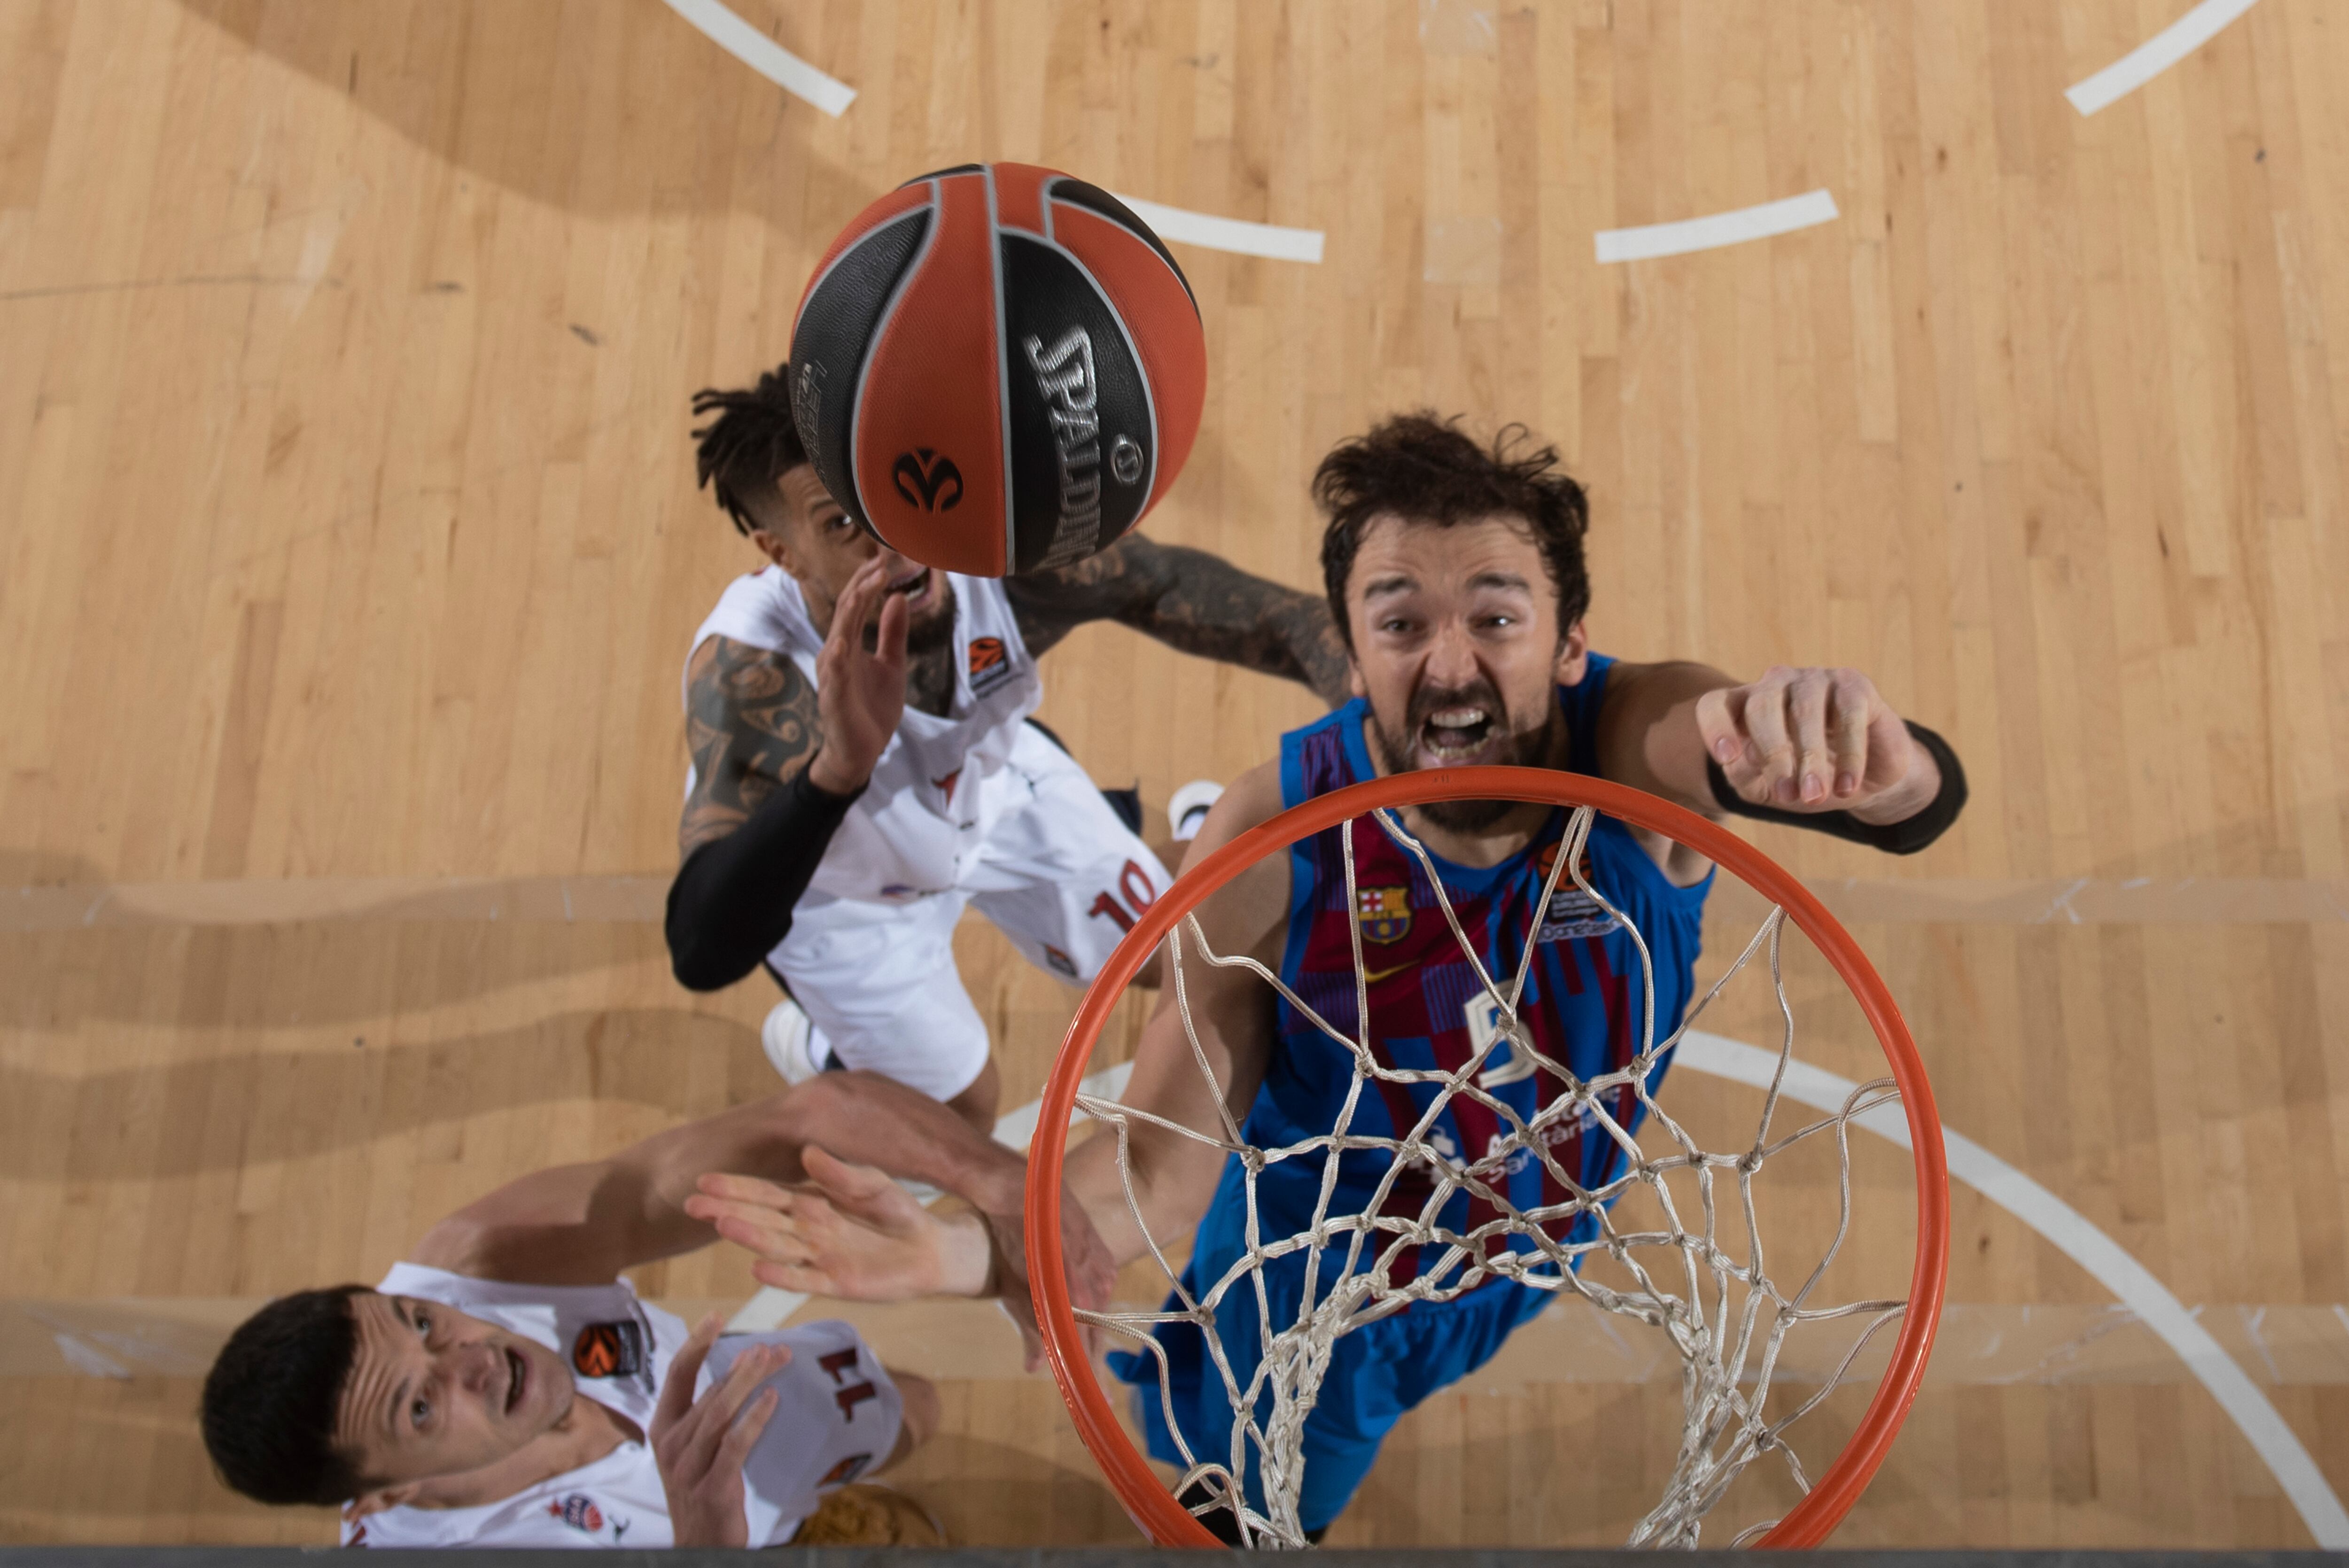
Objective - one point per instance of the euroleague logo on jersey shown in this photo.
(1572, 913)
(927, 480)
(990, 665)
(608, 1350)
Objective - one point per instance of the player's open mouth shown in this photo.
(1457, 735)
(916, 586)
(517, 1380)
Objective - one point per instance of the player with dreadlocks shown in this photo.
(864, 765)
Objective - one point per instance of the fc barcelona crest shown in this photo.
(1385, 913)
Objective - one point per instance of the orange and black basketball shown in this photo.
(998, 367)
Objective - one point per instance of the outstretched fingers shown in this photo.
(1770, 739)
(685, 1370)
(719, 1407)
(1854, 711)
(769, 1221)
(1806, 707)
(865, 1192)
(855, 607)
(744, 1434)
(892, 628)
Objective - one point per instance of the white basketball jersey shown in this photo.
(837, 1417)
(921, 820)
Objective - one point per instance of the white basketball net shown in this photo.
(1714, 1295)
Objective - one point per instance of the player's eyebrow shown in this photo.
(1500, 580)
(1399, 582)
(401, 1311)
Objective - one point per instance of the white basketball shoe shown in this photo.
(1189, 807)
(794, 1046)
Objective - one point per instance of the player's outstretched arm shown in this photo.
(1812, 746)
(777, 762)
(1189, 600)
(1207, 1088)
(584, 1223)
(852, 1233)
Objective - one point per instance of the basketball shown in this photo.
(998, 369)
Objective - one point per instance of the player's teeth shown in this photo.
(1457, 718)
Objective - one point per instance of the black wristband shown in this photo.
(731, 902)
(1905, 836)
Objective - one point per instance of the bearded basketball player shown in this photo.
(864, 765)
(1456, 572)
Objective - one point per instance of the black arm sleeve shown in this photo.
(1905, 836)
(733, 897)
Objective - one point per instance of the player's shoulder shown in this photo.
(726, 673)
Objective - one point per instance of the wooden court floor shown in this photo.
(349, 549)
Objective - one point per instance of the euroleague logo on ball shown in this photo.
(927, 480)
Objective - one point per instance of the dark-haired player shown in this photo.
(864, 766)
(1456, 572)
(505, 1387)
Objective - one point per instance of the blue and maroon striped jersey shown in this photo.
(1582, 1004)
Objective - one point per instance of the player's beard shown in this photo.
(1528, 749)
(927, 635)
(936, 629)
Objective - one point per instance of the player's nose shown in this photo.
(1451, 655)
(476, 1364)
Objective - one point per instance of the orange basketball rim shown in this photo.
(1146, 1498)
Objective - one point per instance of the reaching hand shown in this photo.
(1816, 740)
(852, 1233)
(860, 692)
(1085, 1260)
(699, 1445)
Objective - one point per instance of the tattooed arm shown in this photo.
(751, 724)
(1189, 600)
(777, 763)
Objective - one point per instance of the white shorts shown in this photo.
(1058, 874)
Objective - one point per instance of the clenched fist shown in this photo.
(1809, 739)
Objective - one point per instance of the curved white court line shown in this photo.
(1234, 234)
(764, 55)
(1717, 229)
(2155, 55)
(2079, 1239)
(2071, 1232)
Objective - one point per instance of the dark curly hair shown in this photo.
(1426, 470)
(269, 1401)
(750, 445)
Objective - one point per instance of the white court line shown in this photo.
(2155, 55)
(2071, 1232)
(1717, 229)
(793, 75)
(765, 56)
(2079, 1239)
(1234, 234)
